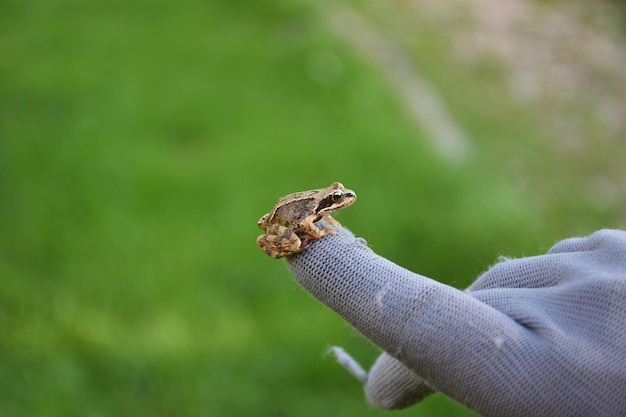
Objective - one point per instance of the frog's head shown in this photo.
(334, 198)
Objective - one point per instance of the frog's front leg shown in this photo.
(316, 231)
(311, 231)
(279, 241)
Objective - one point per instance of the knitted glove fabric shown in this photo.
(543, 335)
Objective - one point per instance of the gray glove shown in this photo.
(538, 336)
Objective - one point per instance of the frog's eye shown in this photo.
(337, 196)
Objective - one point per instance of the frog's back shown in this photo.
(292, 211)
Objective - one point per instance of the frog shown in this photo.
(293, 223)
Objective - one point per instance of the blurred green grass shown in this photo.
(140, 142)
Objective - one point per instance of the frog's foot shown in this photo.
(279, 241)
(261, 221)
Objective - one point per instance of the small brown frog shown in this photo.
(291, 224)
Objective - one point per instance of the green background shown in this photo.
(140, 142)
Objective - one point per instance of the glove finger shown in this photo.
(392, 386)
(602, 252)
(444, 335)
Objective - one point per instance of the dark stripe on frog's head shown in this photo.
(336, 201)
(325, 203)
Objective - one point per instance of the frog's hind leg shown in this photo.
(272, 246)
(279, 241)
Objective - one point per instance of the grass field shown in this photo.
(139, 144)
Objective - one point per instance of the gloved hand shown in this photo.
(537, 336)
